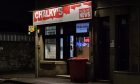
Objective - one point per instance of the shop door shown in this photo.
(68, 49)
(68, 46)
(122, 43)
(103, 59)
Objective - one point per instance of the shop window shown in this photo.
(50, 42)
(82, 39)
(122, 43)
(61, 48)
(82, 46)
(61, 30)
(50, 48)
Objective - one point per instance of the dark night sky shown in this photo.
(15, 15)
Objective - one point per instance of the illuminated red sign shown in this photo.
(84, 13)
(86, 39)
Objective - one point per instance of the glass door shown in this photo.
(67, 44)
(64, 46)
(71, 46)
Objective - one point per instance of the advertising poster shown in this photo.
(50, 49)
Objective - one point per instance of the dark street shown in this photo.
(69, 42)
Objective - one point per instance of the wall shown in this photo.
(134, 39)
(49, 68)
(133, 76)
(119, 7)
(16, 53)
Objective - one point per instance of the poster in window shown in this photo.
(82, 27)
(50, 30)
(50, 49)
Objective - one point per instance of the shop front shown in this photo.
(64, 33)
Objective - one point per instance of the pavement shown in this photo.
(31, 79)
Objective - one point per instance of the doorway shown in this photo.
(122, 43)
(75, 40)
(68, 46)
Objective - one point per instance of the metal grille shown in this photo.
(15, 37)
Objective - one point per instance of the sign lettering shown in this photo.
(71, 12)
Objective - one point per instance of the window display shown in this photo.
(82, 46)
(50, 48)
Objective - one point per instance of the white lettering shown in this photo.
(85, 13)
(81, 15)
(50, 12)
(60, 11)
(47, 13)
(43, 13)
(54, 11)
(40, 14)
(36, 14)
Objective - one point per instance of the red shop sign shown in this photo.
(69, 12)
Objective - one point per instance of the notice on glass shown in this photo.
(50, 51)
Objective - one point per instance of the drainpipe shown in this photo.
(36, 54)
(138, 35)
